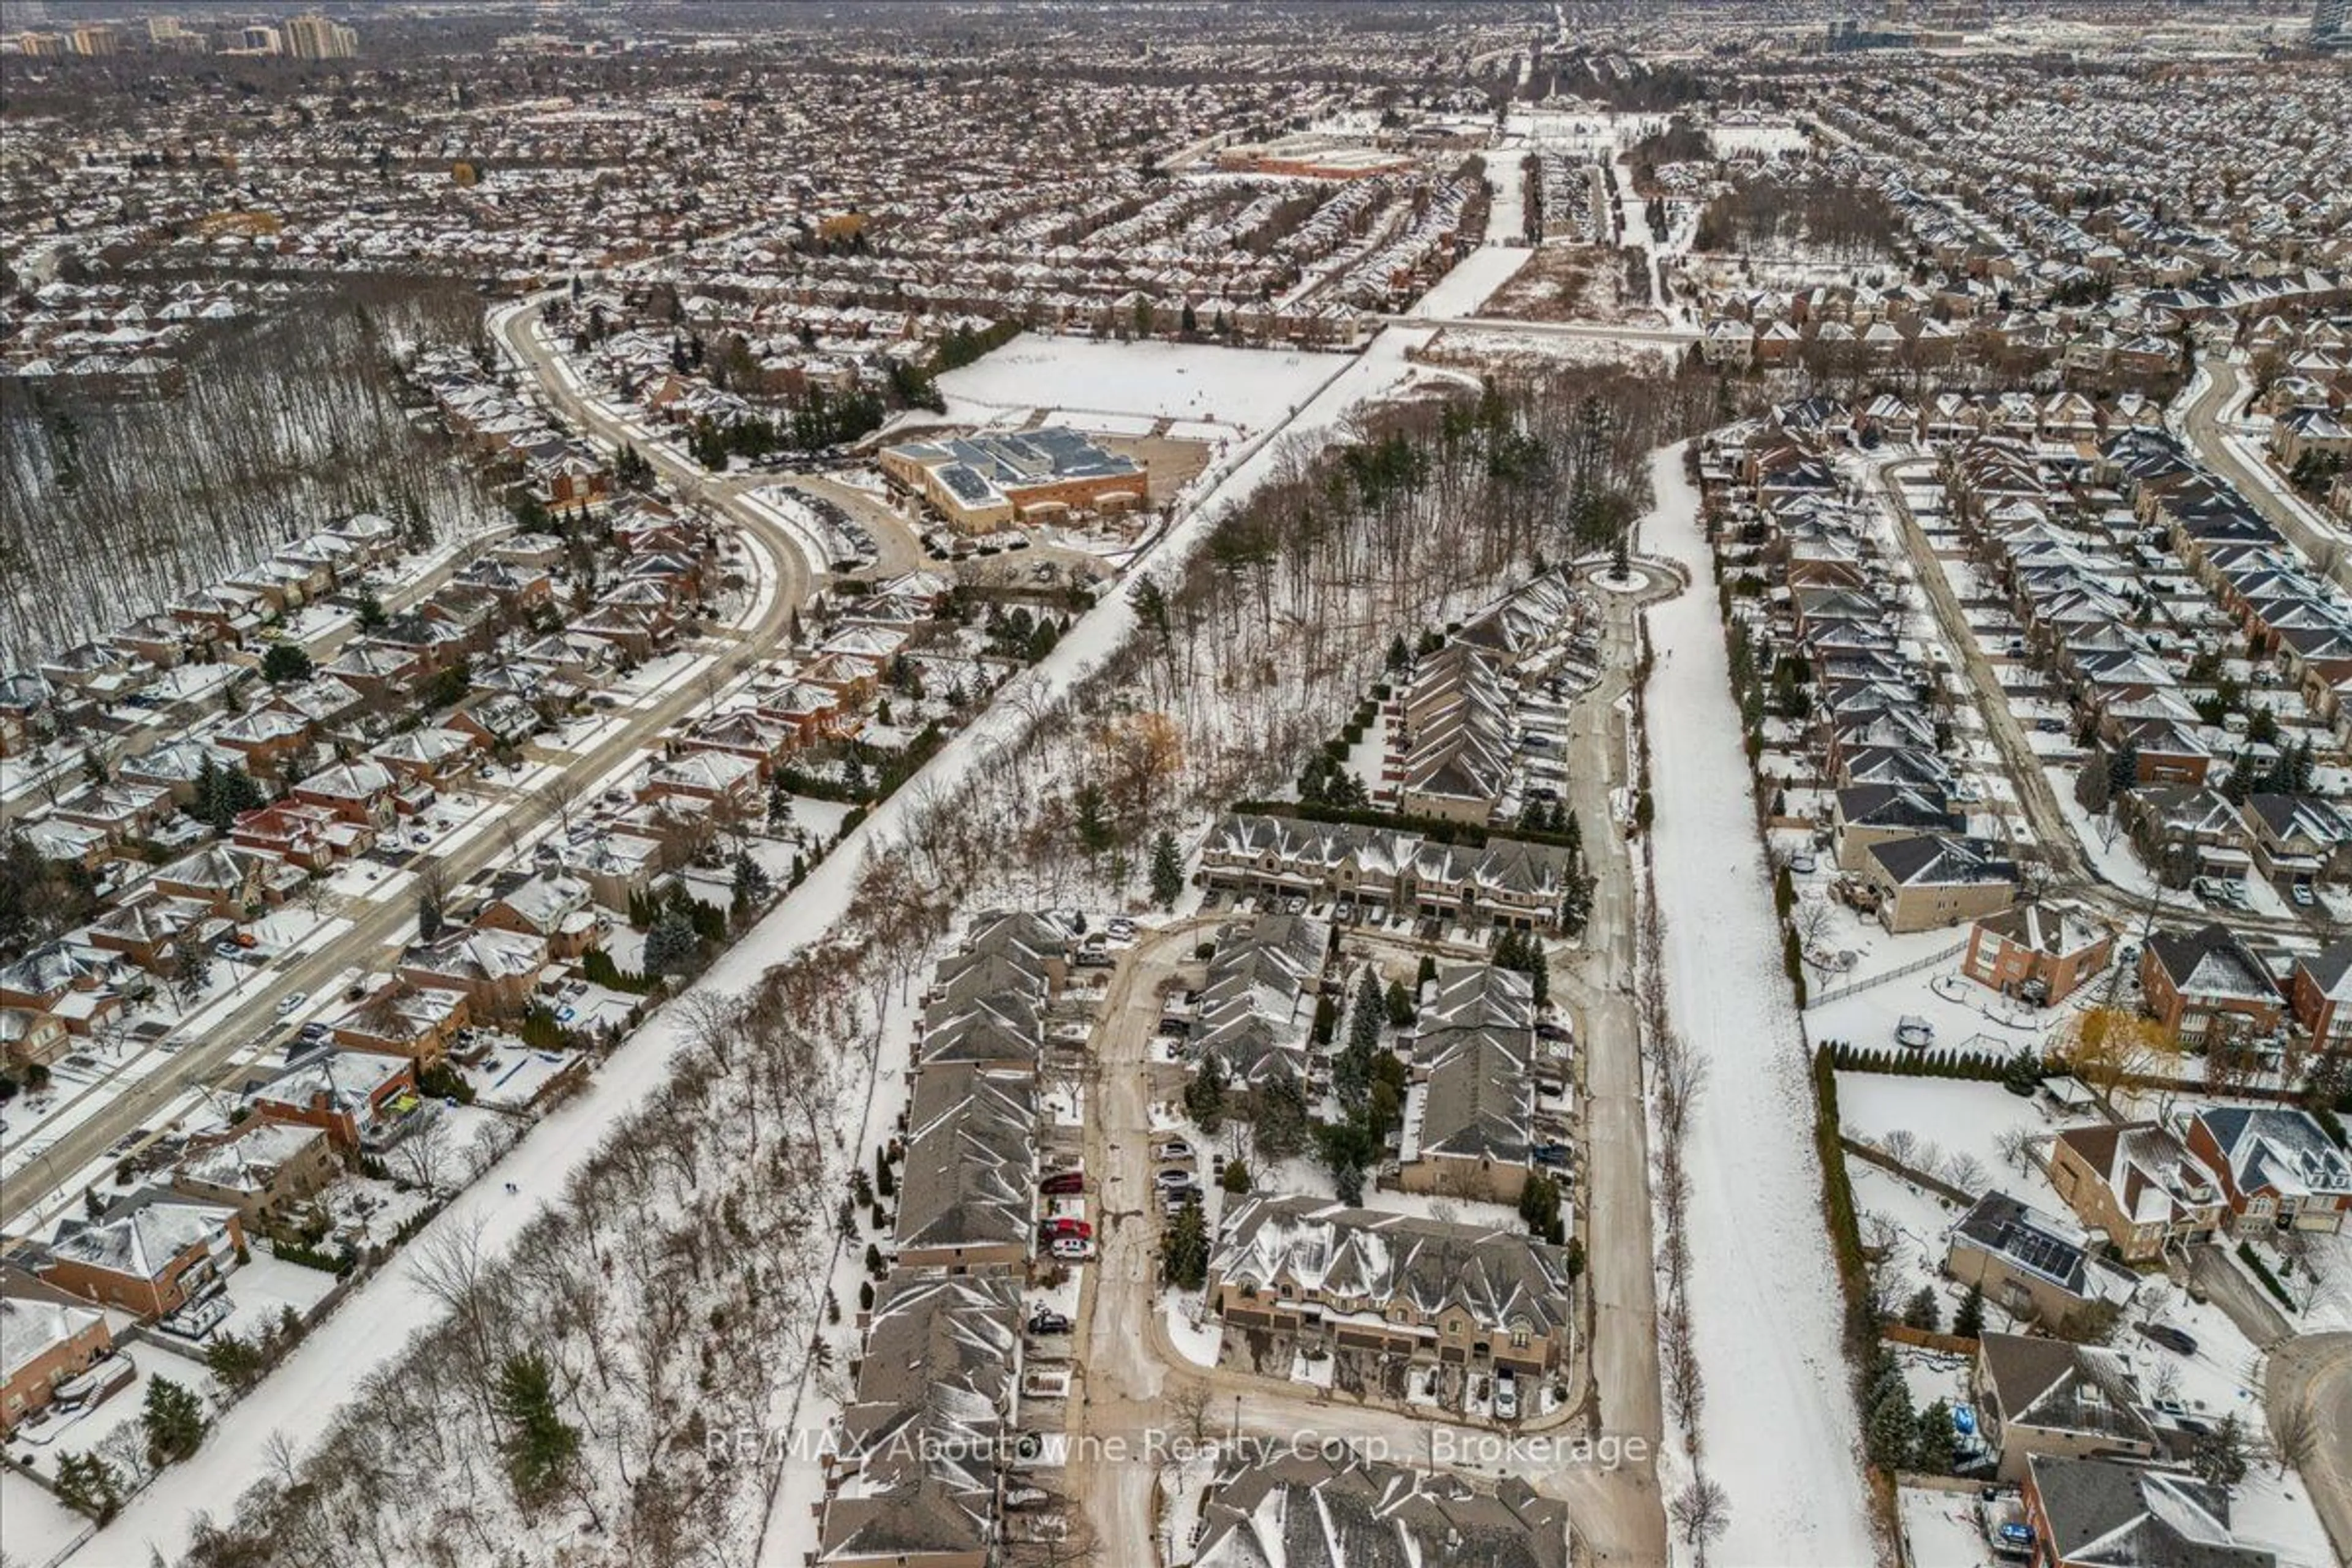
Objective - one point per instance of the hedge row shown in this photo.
(2253, 1260)
(1837, 1201)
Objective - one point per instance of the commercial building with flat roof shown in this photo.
(983, 483)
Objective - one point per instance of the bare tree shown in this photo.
(1701, 1513)
(559, 795)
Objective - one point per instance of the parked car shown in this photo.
(2167, 1336)
(1044, 1320)
(1507, 1397)
(1063, 1184)
(1121, 928)
(1073, 1249)
(2303, 895)
(314, 1031)
(291, 1000)
(1173, 1176)
(1174, 1149)
(1055, 1226)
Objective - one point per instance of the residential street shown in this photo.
(2201, 422)
(2053, 834)
(379, 927)
(2314, 1372)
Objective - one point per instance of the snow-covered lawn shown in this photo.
(262, 1288)
(1942, 1529)
(1778, 1425)
(35, 1527)
(1948, 1120)
(1253, 389)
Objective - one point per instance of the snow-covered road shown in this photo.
(1778, 1426)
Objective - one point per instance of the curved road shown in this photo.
(2202, 422)
(2313, 1375)
(381, 925)
(518, 330)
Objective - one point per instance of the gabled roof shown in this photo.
(2277, 1149)
(2107, 1515)
(2213, 961)
(1301, 1509)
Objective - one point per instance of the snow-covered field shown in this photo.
(1777, 1428)
(1472, 283)
(1254, 389)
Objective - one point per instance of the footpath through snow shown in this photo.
(1778, 1426)
(304, 1396)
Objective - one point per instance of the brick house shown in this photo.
(261, 1169)
(2137, 1184)
(2277, 1166)
(2315, 992)
(42, 1344)
(2040, 952)
(2207, 985)
(149, 1254)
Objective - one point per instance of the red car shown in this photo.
(1063, 1184)
(1055, 1227)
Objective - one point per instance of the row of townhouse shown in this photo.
(331, 808)
(123, 668)
(1456, 741)
(1505, 883)
(510, 433)
(1829, 607)
(918, 1466)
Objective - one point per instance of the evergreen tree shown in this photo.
(285, 663)
(1347, 1150)
(1934, 1449)
(1923, 1311)
(1969, 1320)
(752, 885)
(1167, 870)
(1400, 1009)
(89, 1484)
(1184, 1250)
(671, 945)
(1890, 1429)
(1279, 1117)
(1539, 1207)
(1094, 834)
(1204, 1096)
(174, 1419)
(540, 1445)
